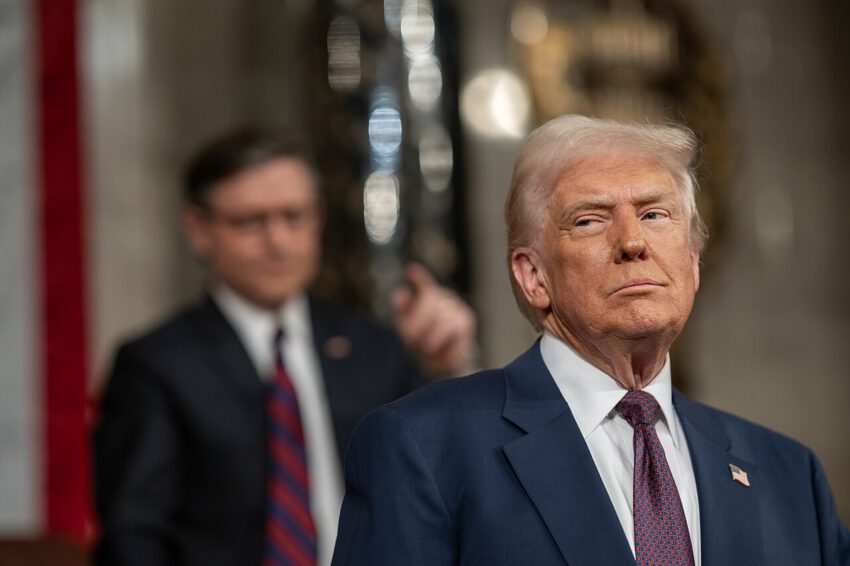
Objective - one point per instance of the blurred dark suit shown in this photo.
(180, 448)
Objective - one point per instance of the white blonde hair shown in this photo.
(550, 150)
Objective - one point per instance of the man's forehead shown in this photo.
(619, 162)
(613, 176)
(283, 173)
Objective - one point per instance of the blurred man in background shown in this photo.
(222, 430)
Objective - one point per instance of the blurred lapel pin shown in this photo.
(337, 347)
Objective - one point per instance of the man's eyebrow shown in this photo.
(656, 196)
(594, 203)
(585, 204)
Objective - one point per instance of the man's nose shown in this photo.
(277, 232)
(631, 244)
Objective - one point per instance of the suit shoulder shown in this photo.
(167, 334)
(376, 344)
(437, 411)
(345, 320)
(482, 390)
(168, 347)
(748, 438)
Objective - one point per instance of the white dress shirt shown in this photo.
(256, 329)
(592, 395)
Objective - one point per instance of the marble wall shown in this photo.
(160, 78)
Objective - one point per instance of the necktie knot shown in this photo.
(638, 407)
(277, 349)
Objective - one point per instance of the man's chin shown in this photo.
(646, 327)
(271, 299)
(272, 292)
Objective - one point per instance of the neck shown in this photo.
(253, 302)
(632, 362)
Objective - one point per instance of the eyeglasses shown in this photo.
(293, 219)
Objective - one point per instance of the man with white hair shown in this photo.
(580, 451)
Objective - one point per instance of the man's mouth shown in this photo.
(636, 285)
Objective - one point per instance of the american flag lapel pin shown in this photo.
(739, 475)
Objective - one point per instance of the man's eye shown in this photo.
(654, 215)
(585, 222)
(294, 217)
(249, 222)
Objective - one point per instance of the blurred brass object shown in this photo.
(436, 250)
(631, 60)
(545, 64)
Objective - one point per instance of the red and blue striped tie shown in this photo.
(290, 532)
(661, 531)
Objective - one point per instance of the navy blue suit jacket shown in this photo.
(492, 470)
(180, 450)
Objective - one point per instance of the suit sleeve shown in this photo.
(137, 463)
(393, 512)
(834, 536)
(411, 376)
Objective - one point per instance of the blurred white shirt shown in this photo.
(256, 329)
(592, 395)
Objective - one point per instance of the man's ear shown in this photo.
(695, 267)
(197, 229)
(528, 272)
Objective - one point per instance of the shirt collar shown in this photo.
(592, 394)
(255, 325)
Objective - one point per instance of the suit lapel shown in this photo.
(333, 346)
(227, 355)
(556, 470)
(333, 343)
(323, 331)
(729, 511)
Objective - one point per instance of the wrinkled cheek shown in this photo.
(680, 306)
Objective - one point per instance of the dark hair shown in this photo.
(237, 151)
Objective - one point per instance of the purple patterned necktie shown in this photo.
(661, 532)
(290, 531)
